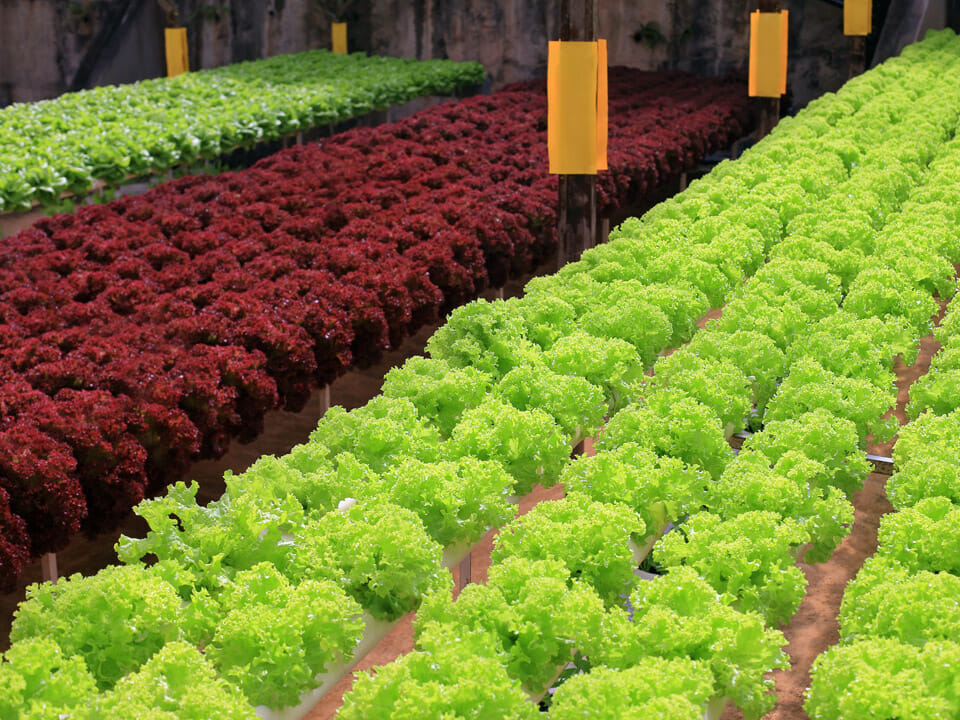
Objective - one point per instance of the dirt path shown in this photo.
(814, 628)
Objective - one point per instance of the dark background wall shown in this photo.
(50, 46)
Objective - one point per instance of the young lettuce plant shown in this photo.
(440, 391)
(488, 336)
(378, 552)
(680, 616)
(755, 354)
(377, 432)
(718, 384)
(179, 681)
(38, 680)
(665, 688)
(884, 678)
(748, 559)
(673, 424)
(752, 482)
(114, 620)
(271, 638)
(457, 500)
(923, 537)
(509, 612)
(577, 406)
(821, 436)
(809, 386)
(887, 600)
(528, 443)
(594, 540)
(660, 489)
(609, 363)
(458, 679)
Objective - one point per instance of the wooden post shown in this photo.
(858, 55)
(768, 109)
(577, 216)
(324, 400)
(48, 567)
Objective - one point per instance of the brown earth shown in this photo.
(814, 628)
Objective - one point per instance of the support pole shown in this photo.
(577, 216)
(768, 109)
(858, 55)
(48, 567)
(324, 400)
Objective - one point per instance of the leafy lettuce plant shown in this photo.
(593, 539)
(718, 384)
(440, 391)
(666, 688)
(752, 482)
(377, 432)
(677, 266)
(378, 552)
(177, 682)
(271, 638)
(457, 500)
(660, 489)
(457, 679)
(755, 354)
(114, 620)
(528, 443)
(633, 318)
(928, 438)
(937, 392)
(509, 611)
(809, 386)
(576, 405)
(864, 348)
(821, 436)
(883, 292)
(923, 537)
(880, 678)
(680, 615)
(748, 559)
(609, 363)
(887, 600)
(673, 424)
(488, 336)
(38, 680)
(211, 543)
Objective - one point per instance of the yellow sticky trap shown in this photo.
(857, 17)
(577, 107)
(339, 33)
(768, 53)
(178, 61)
(602, 110)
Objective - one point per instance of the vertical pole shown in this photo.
(48, 567)
(577, 216)
(768, 108)
(858, 55)
(324, 400)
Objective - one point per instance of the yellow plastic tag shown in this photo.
(768, 53)
(857, 17)
(339, 34)
(178, 61)
(577, 107)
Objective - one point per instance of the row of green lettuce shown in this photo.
(270, 585)
(111, 133)
(815, 364)
(899, 621)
